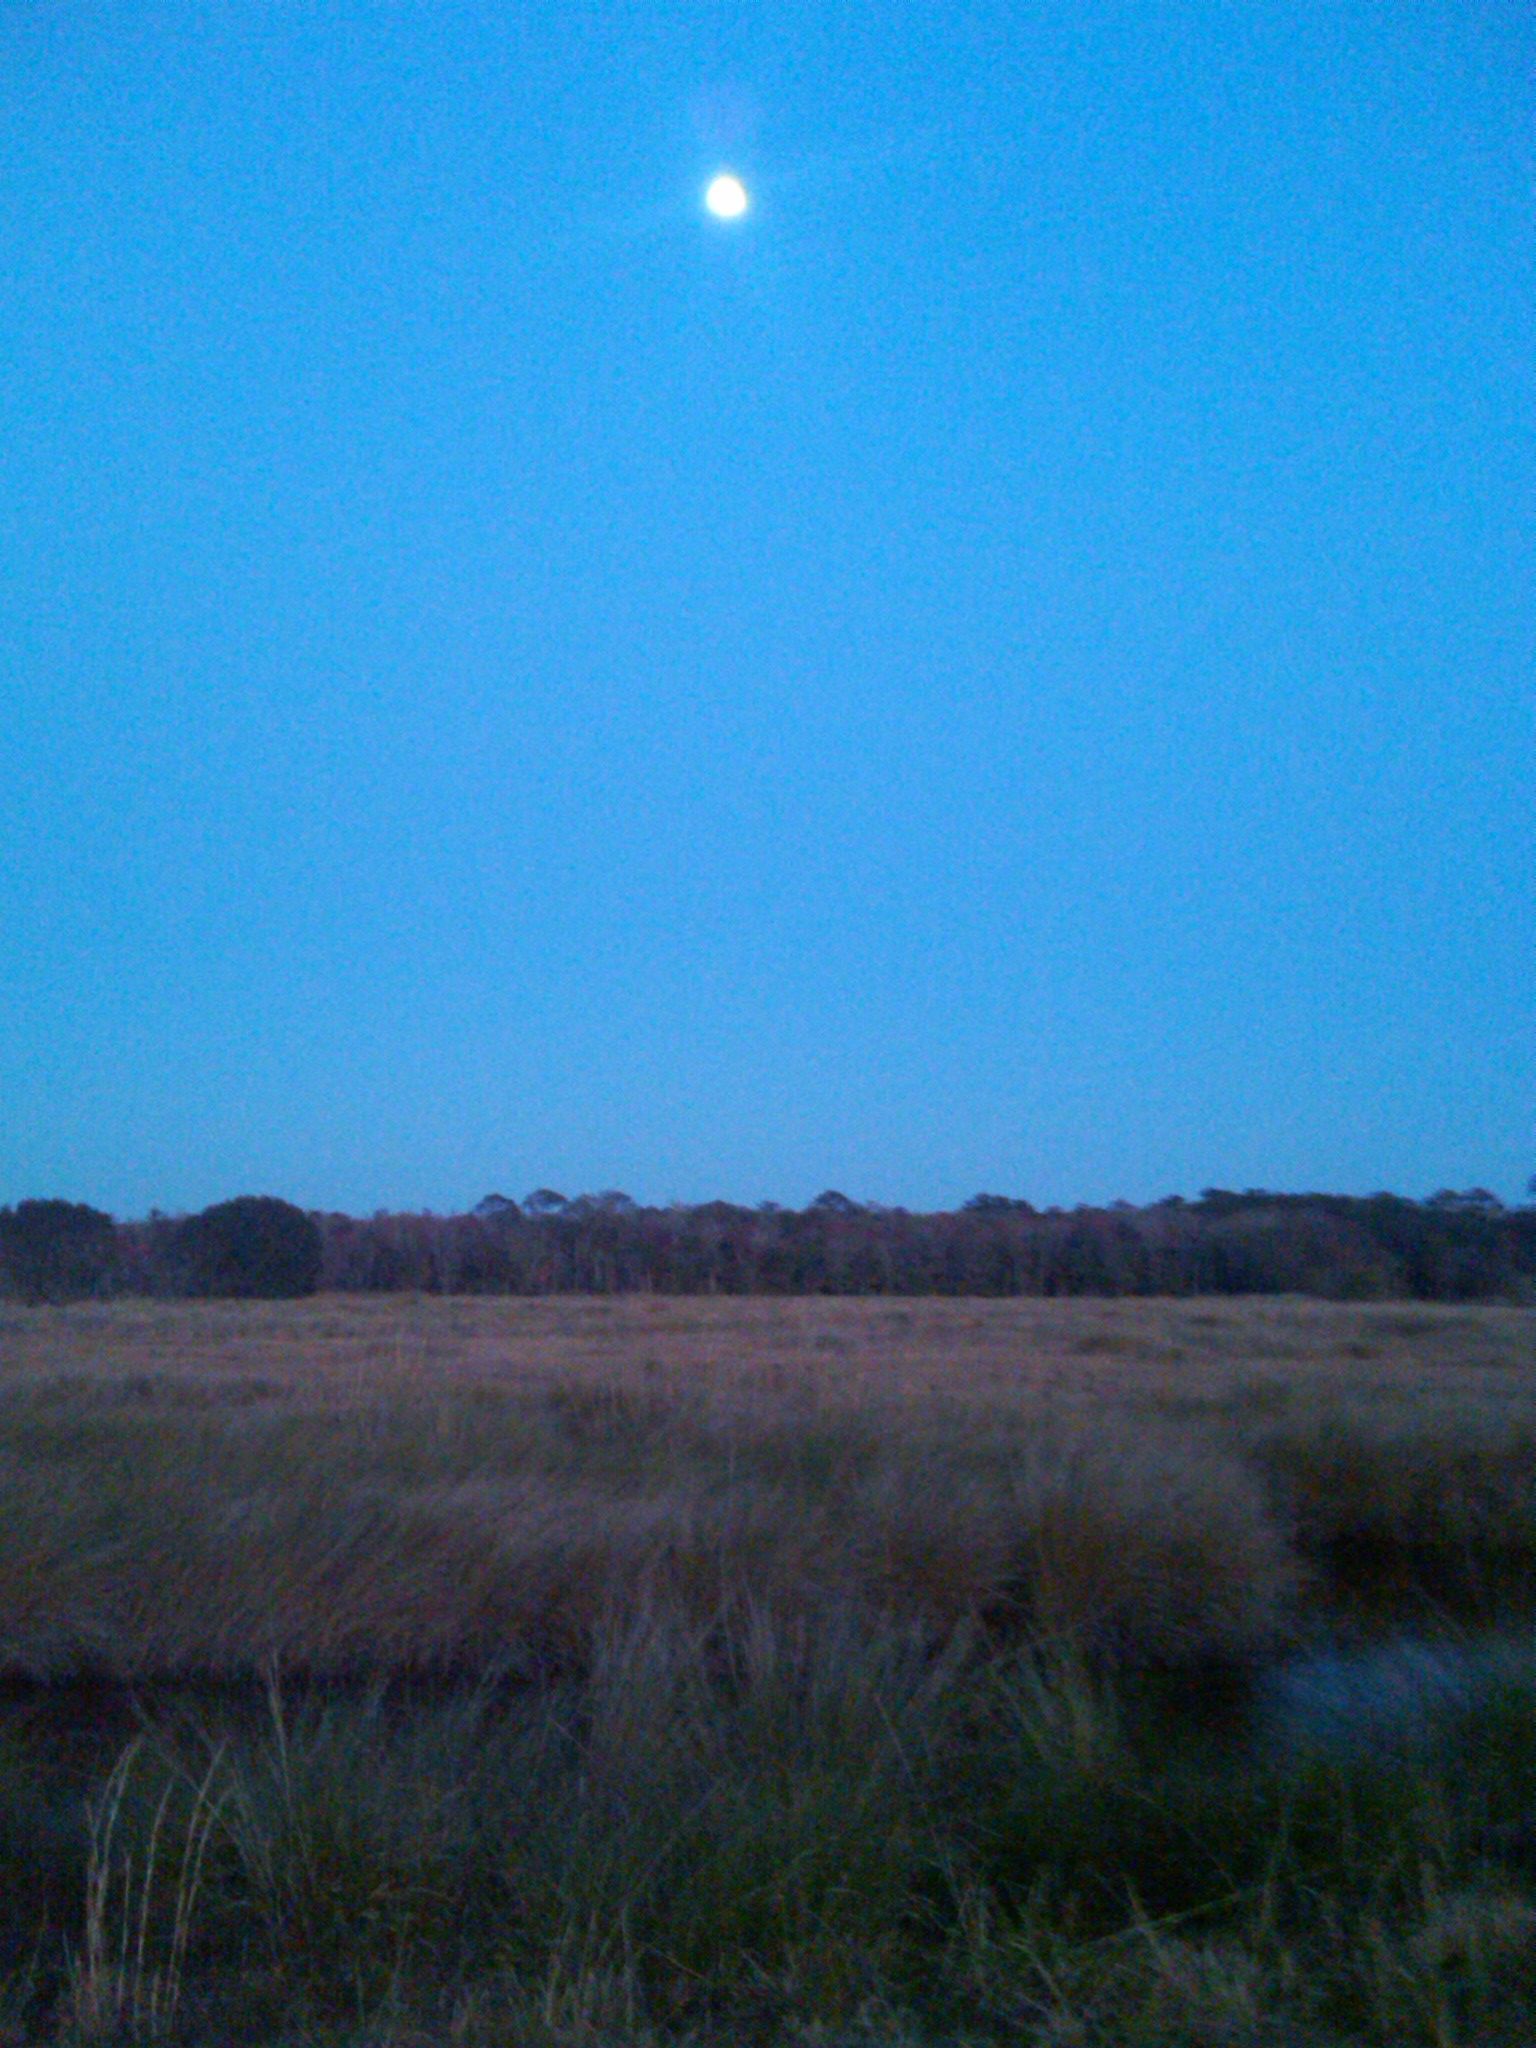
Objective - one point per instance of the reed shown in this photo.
(141, 1896)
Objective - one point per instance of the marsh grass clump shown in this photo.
(1168, 1551)
(744, 1833)
(1443, 1509)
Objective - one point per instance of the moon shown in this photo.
(726, 197)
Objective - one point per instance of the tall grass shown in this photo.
(816, 1835)
(753, 1675)
(142, 1888)
(192, 1490)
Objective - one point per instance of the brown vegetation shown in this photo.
(352, 1485)
(858, 1662)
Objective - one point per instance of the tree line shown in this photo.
(1452, 1247)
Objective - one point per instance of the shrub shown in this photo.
(57, 1251)
(254, 1245)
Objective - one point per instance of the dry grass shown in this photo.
(354, 1484)
(122, 1980)
(857, 1637)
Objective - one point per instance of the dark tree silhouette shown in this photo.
(1452, 1247)
(255, 1245)
(58, 1251)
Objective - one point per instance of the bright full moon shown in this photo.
(726, 197)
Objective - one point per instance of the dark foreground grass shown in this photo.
(820, 1835)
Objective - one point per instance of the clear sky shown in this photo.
(1008, 667)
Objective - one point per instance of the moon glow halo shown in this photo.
(726, 197)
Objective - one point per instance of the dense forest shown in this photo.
(1451, 1247)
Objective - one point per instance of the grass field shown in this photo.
(819, 1671)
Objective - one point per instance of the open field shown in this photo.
(812, 1670)
(365, 1485)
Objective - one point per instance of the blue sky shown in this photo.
(1011, 667)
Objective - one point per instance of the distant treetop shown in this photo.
(58, 1251)
(255, 1246)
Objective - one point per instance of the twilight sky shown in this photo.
(1010, 667)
